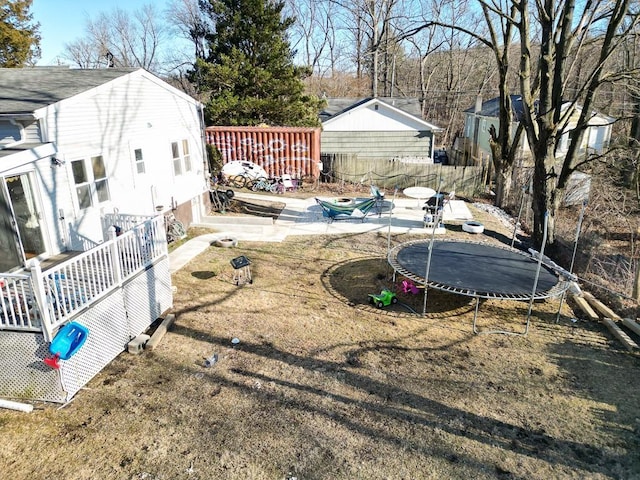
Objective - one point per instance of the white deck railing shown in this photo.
(18, 309)
(45, 299)
(122, 221)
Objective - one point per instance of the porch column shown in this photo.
(40, 297)
(115, 256)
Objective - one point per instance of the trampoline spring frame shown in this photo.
(558, 289)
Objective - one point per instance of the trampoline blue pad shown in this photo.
(477, 269)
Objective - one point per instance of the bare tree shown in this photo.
(314, 34)
(85, 54)
(370, 22)
(496, 38)
(503, 141)
(550, 107)
(186, 18)
(119, 39)
(451, 67)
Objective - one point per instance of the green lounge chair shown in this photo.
(355, 210)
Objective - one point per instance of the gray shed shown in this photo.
(377, 128)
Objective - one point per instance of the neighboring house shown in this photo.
(473, 145)
(75, 144)
(81, 152)
(377, 128)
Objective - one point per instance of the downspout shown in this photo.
(205, 170)
(203, 140)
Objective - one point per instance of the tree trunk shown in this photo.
(374, 73)
(546, 197)
(630, 172)
(503, 187)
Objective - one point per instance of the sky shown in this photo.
(62, 21)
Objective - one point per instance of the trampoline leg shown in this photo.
(526, 328)
(503, 332)
(475, 315)
(560, 306)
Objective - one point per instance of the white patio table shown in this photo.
(421, 193)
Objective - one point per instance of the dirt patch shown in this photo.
(324, 385)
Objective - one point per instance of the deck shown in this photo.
(51, 293)
(114, 290)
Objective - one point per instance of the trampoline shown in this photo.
(477, 270)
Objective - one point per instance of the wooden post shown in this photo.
(160, 331)
(586, 308)
(601, 307)
(620, 335)
(631, 325)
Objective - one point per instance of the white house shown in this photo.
(378, 128)
(473, 144)
(82, 151)
(76, 144)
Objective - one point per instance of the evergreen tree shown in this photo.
(19, 37)
(248, 73)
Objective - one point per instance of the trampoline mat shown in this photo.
(477, 269)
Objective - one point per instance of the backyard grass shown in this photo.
(323, 385)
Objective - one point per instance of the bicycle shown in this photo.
(220, 200)
(175, 228)
(264, 184)
(238, 181)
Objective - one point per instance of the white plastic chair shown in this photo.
(287, 183)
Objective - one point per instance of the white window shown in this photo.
(181, 158)
(139, 159)
(177, 161)
(90, 178)
(186, 155)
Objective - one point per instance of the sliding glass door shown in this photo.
(9, 243)
(20, 225)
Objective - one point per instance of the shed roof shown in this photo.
(25, 90)
(338, 106)
(491, 108)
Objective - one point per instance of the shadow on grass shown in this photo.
(203, 275)
(391, 403)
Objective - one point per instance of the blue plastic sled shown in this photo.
(66, 343)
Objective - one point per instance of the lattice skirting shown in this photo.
(23, 374)
(108, 337)
(112, 322)
(147, 296)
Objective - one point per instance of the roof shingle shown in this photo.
(24, 90)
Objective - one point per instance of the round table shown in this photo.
(421, 193)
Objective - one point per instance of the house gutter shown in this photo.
(203, 145)
(16, 158)
(18, 116)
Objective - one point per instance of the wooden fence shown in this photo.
(390, 173)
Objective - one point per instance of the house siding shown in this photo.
(55, 195)
(32, 133)
(475, 143)
(371, 118)
(379, 144)
(130, 113)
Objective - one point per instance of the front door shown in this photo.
(21, 214)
